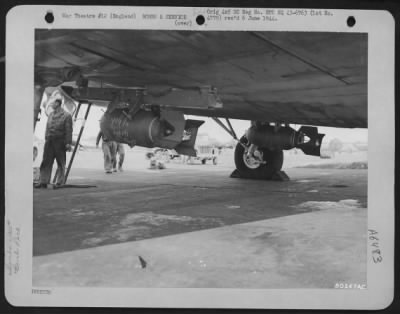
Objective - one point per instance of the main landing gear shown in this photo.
(259, 153)
(256, 163)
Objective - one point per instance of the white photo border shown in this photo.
(20, 33)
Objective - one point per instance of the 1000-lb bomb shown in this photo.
(144, 129)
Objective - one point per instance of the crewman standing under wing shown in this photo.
(121, 153)
(109, 151)
(58, 139)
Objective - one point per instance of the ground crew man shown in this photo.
(121, 152)
(109, 151)
(58, 139)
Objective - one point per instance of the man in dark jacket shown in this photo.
(58, 139)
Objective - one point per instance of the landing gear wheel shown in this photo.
(252, 168)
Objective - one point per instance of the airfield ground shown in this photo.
(193, 226)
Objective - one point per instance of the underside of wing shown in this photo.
(286, 77)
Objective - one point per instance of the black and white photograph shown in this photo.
(202, 158)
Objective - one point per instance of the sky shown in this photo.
(210, 127)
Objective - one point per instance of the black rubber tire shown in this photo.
(215, 161)
(203, 161)
(274, 162)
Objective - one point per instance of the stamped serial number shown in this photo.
(341, 285)
(41, 291)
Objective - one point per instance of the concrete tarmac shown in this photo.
(193, 226)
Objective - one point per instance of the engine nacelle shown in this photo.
(168, 130)
(284, 138)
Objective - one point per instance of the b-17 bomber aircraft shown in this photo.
(150, 79)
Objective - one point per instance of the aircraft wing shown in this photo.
(310, 78)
